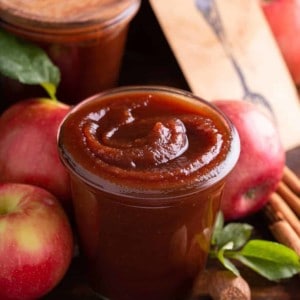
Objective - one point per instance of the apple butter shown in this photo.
(85, 39)
(148, 166)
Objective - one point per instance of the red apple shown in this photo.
(36, 242)
(28, 147)
(261, 162)
(283, 17)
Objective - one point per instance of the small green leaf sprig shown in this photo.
(232, 242)
(27, 63)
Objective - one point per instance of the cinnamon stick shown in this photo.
(284, 233)
(289, 197)
(287, 213)
(291, 180)
(283, 211)
(282, 230)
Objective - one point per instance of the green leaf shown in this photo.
(27, 63)
(237, 233)
(270, 259)
(226, 262)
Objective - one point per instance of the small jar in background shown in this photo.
(85, 39)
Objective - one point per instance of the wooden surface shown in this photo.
(148, 60)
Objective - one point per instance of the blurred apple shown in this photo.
(28, 147)
(283, 17)
(36, 242)
(261, 162)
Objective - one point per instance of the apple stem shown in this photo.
(251, 193)
(50, 89)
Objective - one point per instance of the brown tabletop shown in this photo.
(149, 60)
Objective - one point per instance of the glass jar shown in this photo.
(85, 39)
(147, 166)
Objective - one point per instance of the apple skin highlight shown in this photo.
(261, 162)
(36, 242)
(283, 18)
(28, 148)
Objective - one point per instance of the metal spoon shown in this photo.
(209, 10)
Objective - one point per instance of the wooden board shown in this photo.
(226, 51)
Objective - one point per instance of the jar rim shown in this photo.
(10, 16)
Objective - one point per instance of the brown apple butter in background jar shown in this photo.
(85, 39)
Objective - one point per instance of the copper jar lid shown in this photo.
(66, 13)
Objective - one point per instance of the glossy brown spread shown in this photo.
(146, 141)
(148, 169)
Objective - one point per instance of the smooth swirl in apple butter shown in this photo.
(148, 140)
